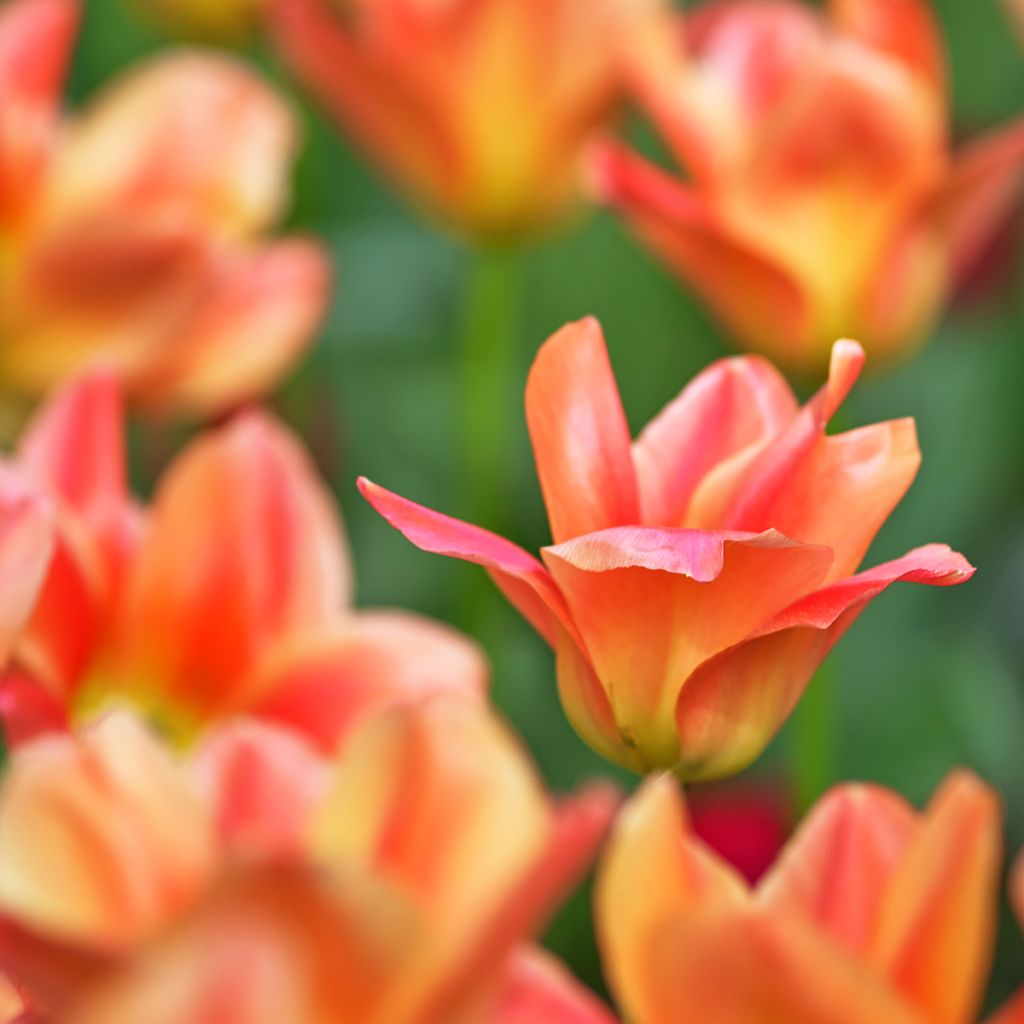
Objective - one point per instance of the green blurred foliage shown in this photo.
(927, 679)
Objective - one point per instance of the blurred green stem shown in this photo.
(812, 754)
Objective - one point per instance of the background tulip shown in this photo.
(823, 198)
(700, 574)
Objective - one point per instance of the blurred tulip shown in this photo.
(1015, 9)
(394, 890)
(230, 595)
(873, 913)
(700, 574)
(132, 233)
(479, 108)
(822, 200)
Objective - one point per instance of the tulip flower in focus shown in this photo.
(700, 574)
(478, 108)
(823, 199)
(260, 883)
(229, 595)
(133, 233)
(874, 912)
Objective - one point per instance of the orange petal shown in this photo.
(579, 434)
(325, 684)
(243, 549)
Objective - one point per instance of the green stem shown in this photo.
(813, 737)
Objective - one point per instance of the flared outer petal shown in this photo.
(732, 405)
(519, 576)
(734, 703)
(537, 989)
(101, 838)
(757, 297)
(653, 604)
(936, 931)
(36, 37)
(29, 710)
(261, 312)
(325, 684)
(262, 784)
(189, 136)
(580, 435)
(244, 548)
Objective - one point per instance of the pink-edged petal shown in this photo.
(985, 182)
(262, 311)
(29, 710)
(580, 435)
(735, 702)
(537, 989)
(36, 37)
(521, 578)
(262, 784)
(756, 297)
(325, 684)
(734, 403)
(653, 604)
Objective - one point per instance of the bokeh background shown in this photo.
(928, 678)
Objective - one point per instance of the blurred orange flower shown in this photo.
(230, 594)
(700, 574)
(874, 912)
(392, 890)
(823, 199)
(479, 108)
(132, 233)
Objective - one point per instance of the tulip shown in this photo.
(133, 233)
(478, 108)
(700, 574)
(822, 199)
(135, 888)
(230, 595)
(874, 912)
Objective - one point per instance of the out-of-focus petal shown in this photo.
(29, 710)
(262, 311)
(243, 548)
(537, 989)
(734, 703)
(325, 684)
(731, 405)
(262, 784)
(652, 604)
(580, 435)
(520, 577)
(11, 1004)
(101, 840)
(193, 137)
(936, 930)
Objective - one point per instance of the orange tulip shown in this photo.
(823, 199)
(132, 234)
(874, 912)
(391, 890)
(700, 574)
(479, 108)
(230, 595)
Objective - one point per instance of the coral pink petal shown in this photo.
(537, 989)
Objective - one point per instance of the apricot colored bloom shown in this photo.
(260, 883)
(479, 109)
(132, 233)
(823, 198)
(874, 912)
(700, 574)
(229, 595)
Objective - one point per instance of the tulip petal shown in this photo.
(653, 604)
(835, 870)
(262, 311)
(733, 404)
(936, 932)
(735, 702)
(325, 684)
(519, 576)
(1011, 1012)
(539, 990)
(28, 710)
(580, 435)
